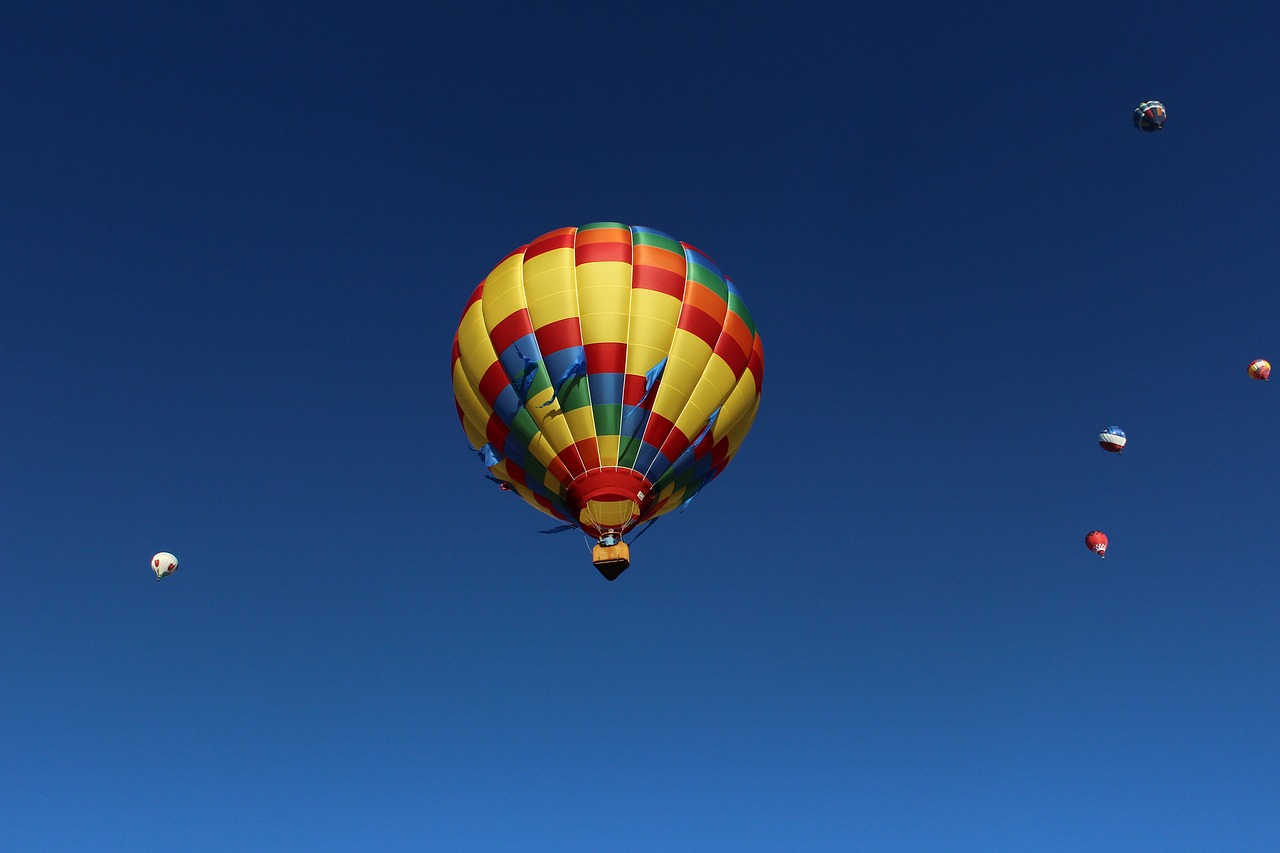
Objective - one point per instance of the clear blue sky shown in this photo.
(235, 240)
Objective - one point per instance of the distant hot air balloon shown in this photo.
(1260, 369)
(164, 564)
(1112, 439)
(1149, 116)
(1097, 541)
(606, 373)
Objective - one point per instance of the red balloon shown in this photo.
(1096, 541)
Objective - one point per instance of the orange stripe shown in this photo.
(707, 299)
(656, 256)
(604, 235)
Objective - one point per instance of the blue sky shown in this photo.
(236, 240)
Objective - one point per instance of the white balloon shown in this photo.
(164, 564)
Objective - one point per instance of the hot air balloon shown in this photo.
(1096, 541)
(1149, 116)
(606, 374)
(1260, 369)
(164, 564)
(1112, 439)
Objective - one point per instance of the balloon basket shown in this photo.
(611, 560)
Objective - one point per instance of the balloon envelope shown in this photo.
(1149, 116)
(606, 373)
(1260, 369)
(164, 564)
(1096, 541)
(1113, 439)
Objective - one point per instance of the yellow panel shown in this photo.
(554, 298)
(689, 355)
(653, 321)
(550, 288)
(738, 413)
(640, 359)
(541, 450)
(472, 335)
(608, 445)
(609, 282)
(581, 423)
(604, 300)
(503, 292)
(711, 392)
(557, 263)
(604, 328)
(553, 485)
(475, 350)
(548, 420)
(475, 436)
(677, 382)
(649, 334)
(691, 350)
(474, 409)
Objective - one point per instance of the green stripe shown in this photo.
(644, 238)
(577, 395)
(523, 427)
(630, 450)
(708, 279)
(739, 307)
(608, 419)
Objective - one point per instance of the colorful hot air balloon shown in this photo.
(1149, 116)
(1260, 369)
(606, 373)
(1112, 439)
(1096, 541)
(164, 564)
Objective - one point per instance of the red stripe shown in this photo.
(656, 429)
(565, 466)
(496, 432)
(675, 443)
(633, 391)
(590, 252)
(559, 469)
(728, 349)
(559, 335)
(647, 277)
(700, 323)
(735, 327)
(756, 365)
(512, 328)
(493, 383)
(607, 358)
(589, 451)
(560, 239)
